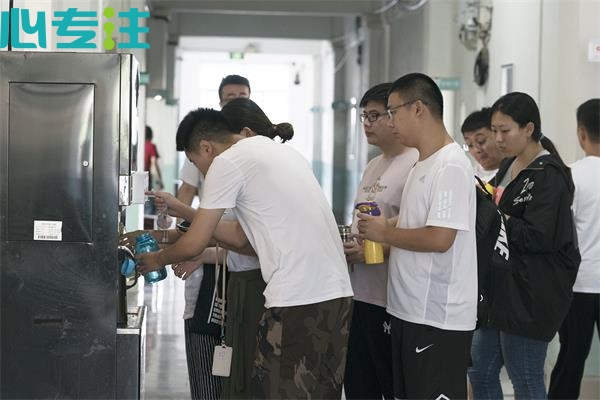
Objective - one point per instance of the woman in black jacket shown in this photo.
(534, 189)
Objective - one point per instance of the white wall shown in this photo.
(438, 57)
(271, 71)
(546, 40)
(567, 77)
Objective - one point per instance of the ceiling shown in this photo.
(281, 7)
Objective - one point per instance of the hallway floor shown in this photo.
(166, 368)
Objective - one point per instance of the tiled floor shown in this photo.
(166, 368)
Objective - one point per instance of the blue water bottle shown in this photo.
(145, 243)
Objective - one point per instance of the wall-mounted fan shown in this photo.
(482, 66)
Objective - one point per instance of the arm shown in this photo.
(232, 237)
(186, 193)
(425, 239)
(229, 233)
(209, 256)
(188, 246)
(161, 236)
(174, 207)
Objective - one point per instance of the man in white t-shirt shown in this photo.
(231, 87)
(577, 330)
(283, 214)
(432, 286)
(369, 363)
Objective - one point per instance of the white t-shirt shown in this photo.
(286, 217)
(586, 209)
(190, 174)
(191, 289)
(237, 262)
(485, 175)
(382, 182)
(432, 288)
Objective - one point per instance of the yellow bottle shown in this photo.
(373, 250)
(490, 188)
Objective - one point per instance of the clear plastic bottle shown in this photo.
(164, 220)
(145, 243)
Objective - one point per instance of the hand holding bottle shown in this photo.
(147, 258)
(370, 217)
(164, 220)
(171, 206)
(354, 251)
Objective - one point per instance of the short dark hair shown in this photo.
(588, 116)
(202, 124)
(417, 86)
(242, 112)
(378, 93)
(233, 80)
(477, 120)
(149, 134)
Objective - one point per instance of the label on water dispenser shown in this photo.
(47, 230)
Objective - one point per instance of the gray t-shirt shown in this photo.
(382, 182)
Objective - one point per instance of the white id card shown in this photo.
(222, 360)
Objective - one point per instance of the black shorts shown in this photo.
(429, 363)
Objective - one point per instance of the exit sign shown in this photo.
(448, 83)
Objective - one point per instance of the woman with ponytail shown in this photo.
(242, 113)
(534, 189)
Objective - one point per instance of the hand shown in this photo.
(167, 203)
(372, 228)
(148, 262)
(128, 239)
(354, 251)
(184, 269)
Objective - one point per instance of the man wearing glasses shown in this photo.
(369, 359)
(480, 143)
(432, 288)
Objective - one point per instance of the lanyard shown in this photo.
(218, 267)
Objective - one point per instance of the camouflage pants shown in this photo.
(302, 351)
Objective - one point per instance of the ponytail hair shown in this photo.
(522, 109)
(284, 130)
(549, 145)
(244, 113)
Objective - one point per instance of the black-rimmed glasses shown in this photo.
(372, 116)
